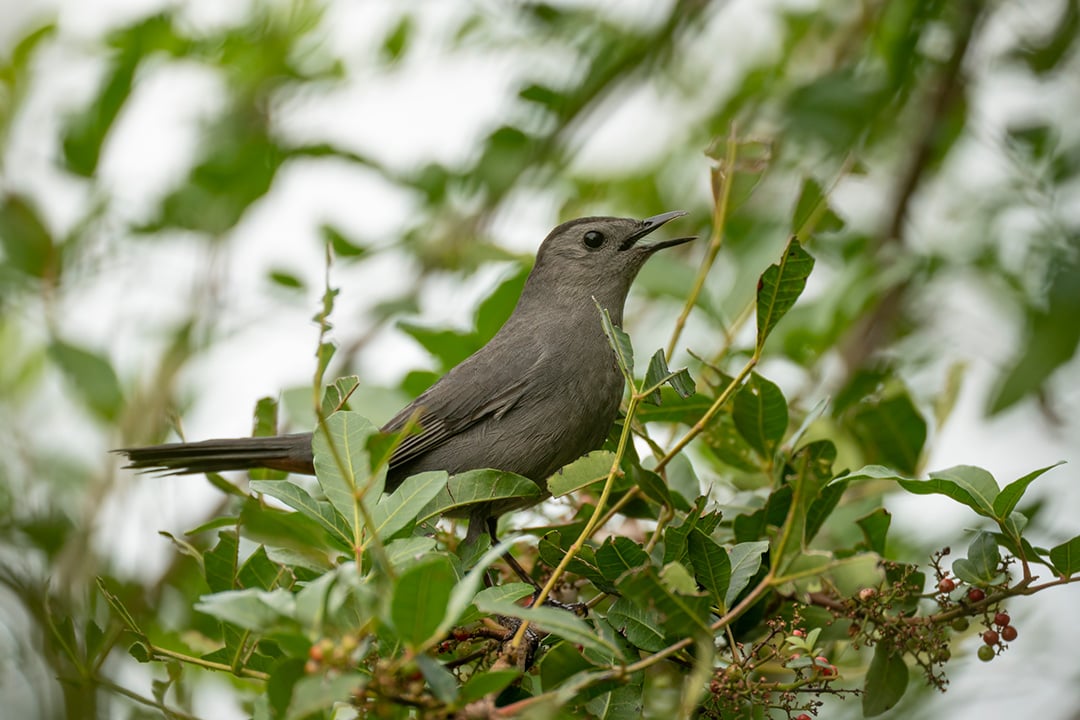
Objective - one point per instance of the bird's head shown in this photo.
(595, 257)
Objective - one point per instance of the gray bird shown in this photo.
(541, 393)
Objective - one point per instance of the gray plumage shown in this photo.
(541, 393)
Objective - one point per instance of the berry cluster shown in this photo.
(785, 671)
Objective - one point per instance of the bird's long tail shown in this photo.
(291, 453)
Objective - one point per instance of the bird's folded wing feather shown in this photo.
(475, 390)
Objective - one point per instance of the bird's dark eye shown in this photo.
(593, 239)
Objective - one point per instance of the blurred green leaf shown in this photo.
(420, 598)
(314, 693)
(487, 683)
(875, 528)
(397, 40)
(1052, 332)
(28, 245)
(1066, 557)
(886, 680)
(891, 431)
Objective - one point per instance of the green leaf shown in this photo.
(92, 376)
(403, 552)
(342, 466)
(508, 592)
(258, 571)
(496, 308)
(619, 342)
(480, 486)
(298, 499)
(584, 471)
(420, 598)
(27, 243)
(1010, 495)
(809, 470)
(442, 682)
(336, 395)
(981, 565)
(322, 691)
(450, 347)
(219, 563)
(1066, 556)
(403, 506)
(552, 552)
(966, 484)
(256, 610)
(553, 620)
(1052, 333)
(745, 561)
(811, 198)
(465, 591)
(642, 628)
(886, 680)
(659, 375)
(712, 566)
(891, 431)
(282, 682)
(761, 414)
(343, 246)
(875, 528)
(779, 287)
(623, 701)
(487, 683)
(683, 614)
(619, 554)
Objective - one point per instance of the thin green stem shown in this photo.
(716, 241)
(594, 520)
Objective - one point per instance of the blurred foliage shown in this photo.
(852, 99)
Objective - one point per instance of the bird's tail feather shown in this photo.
(291, 453)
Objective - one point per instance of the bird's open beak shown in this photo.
(652, 223)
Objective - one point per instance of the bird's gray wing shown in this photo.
(486, 385)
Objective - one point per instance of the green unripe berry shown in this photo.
(986, 653)
(960, 624)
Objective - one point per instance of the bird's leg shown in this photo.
(510, 559)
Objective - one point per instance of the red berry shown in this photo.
(802, 716)
(976, 595)
(1001, 619)
(315, 652)
(946, 585)
(798, 633)
(867, 593)
(990, 637)
(1008, 633)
